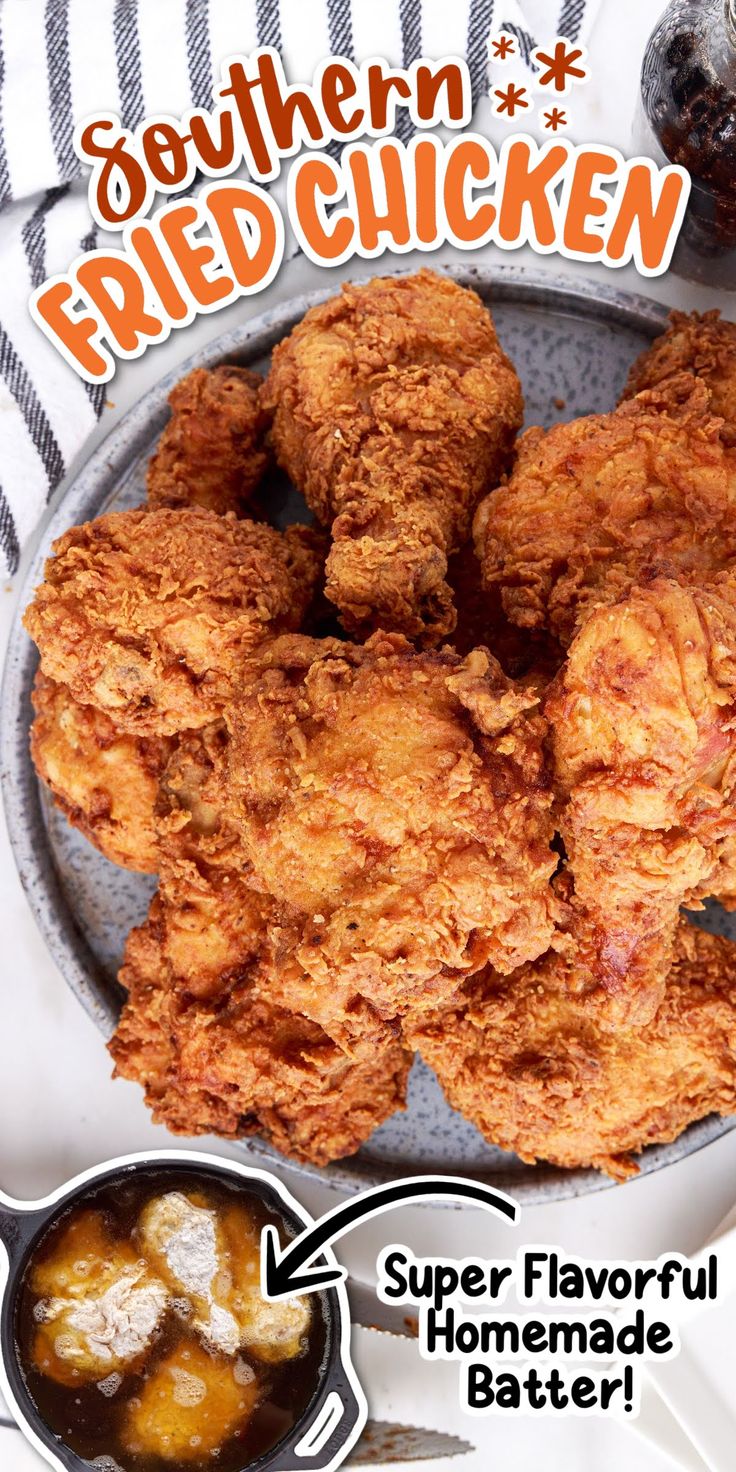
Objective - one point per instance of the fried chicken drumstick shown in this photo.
(394, 409)
(522, 1057)
(212, 452)
(397, 805)
(590, 505)
(643, 733)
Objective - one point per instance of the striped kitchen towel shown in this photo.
(61, 60)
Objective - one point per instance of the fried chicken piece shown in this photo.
(591, 504)
(205, 866)
(98, 1305)
(190, 1406)
(522, 1057)
(212, 451)
(397, 805)
(703, 344)
(193, 820)
(394, 409)
(214, 1054)
(150, 615)
(643, 733)
(104, 781)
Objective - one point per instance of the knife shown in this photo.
(384, 1442)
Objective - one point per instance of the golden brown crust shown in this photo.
(398, 804)
(700, 343)
(104, 781)
(151, 615)
(213, 1053)
(524, 1059)
(643, 735)
(212, 452)
(394, 409)
(590, 505)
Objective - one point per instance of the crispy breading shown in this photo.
(398, 805)
(104, 780)
(590, 505)
(193, 818)
(214, 1054)
(394, 409)
(700, 343)
(150, 615)
(643, 734)
(523, 1058)
(212, 451)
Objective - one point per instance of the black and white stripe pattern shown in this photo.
(61, 60)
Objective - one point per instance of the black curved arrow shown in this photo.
(280, 1276)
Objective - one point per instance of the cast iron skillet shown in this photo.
(334, 1417)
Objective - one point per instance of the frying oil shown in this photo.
(165, 1392)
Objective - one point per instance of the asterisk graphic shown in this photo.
(556, 118)
(510, 98)
(560, 66)
(503, 47)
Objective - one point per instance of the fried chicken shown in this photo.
(394, 410)
(214, 1054)
(591, 504)
(104, 780)
(703, 344)
(150, 615)
(206, 871)
(212, 451)
(643, 733)
(397, 806)
(523, 1058)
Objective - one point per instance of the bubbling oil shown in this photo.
(135, 1358)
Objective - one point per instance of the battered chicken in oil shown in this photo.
(99, 1304)
(700, 343)
(213, 1257)
(190, 1405)
(150, 615)
(591, 505)
(643, 734)
(397, 807)
(105, 781)
(212, 452)
(524, 1059)
(394, 409)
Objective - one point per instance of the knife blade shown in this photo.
(368, 1311)
(384, 1442)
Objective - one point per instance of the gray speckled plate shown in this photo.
(572, 345)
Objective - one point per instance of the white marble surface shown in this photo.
(62, 1113)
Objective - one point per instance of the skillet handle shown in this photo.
(335, 1423)
(18, 1224)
